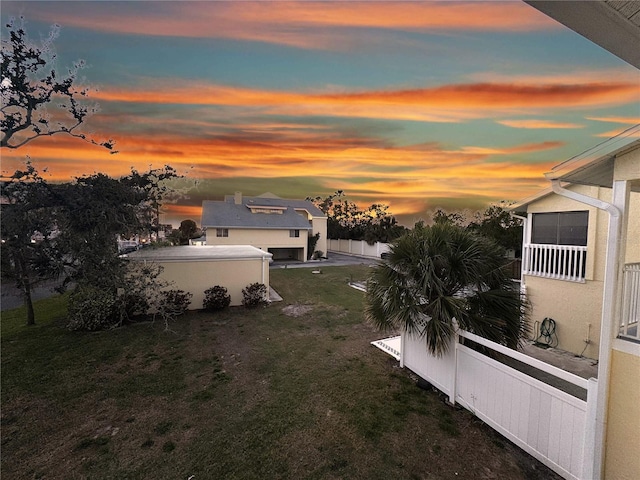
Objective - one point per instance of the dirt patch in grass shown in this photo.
(265, 393)
(297, 310)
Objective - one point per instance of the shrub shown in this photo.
(92, 309)
(254, 295)
(173, 303)
(132, 305)
(318, 254)
(216, 298)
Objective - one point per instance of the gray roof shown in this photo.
(270, 200)
(192, 253)
(227, 214)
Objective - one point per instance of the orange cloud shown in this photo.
(448, 103)
(537, 124)
(394, 175)
(623, 120)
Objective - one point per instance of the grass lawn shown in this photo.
(293, 390)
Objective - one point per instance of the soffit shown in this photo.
(612, 24)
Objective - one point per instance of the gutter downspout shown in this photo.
(608, 312)
(525, 234)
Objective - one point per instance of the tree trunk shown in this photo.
(25, 284)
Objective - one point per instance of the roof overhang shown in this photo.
(596, 165)
(613, 25)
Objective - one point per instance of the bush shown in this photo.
(318, 254)
(254, 295)
(173, 303)
(92, 309)
(132, 305)
(216, 298)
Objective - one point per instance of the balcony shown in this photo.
(630, 303)
(560, 262)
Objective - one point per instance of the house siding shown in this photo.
(319, 225)
(234, 275)
(264, 239)
(622, 451)
(573, 306)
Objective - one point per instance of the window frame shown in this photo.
(222, 232)
(566, 232)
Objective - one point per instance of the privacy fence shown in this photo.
(547, 422)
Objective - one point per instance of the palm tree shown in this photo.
(439, 273)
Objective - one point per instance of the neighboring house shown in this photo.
(279, 226)
(195, 269)
(563, 263)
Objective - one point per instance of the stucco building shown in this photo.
(276, 225)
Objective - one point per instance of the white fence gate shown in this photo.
(549, 424)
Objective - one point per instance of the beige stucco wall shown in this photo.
(632, 253)
(197, 276)
(627, 166)
(574, 306)
(622, 448)
(319, 225)
(261, 238)
(598, 221)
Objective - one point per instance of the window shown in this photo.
(560, 228)
(558, 247)
(294, 233)
(222, 232)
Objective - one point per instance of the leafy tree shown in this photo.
(346, 220)
(312, 241)
(29, 85)
(498, 224)
(154, 185)
(188, 230)
(29, 225)
(441, 273)
(441, 217)
(67, 230)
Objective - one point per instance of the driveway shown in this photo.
(12, 297)
(334, 260)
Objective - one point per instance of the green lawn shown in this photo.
(240, 394)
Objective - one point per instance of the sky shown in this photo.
(418, 105)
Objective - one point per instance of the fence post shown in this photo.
(454, 376)
(589, 445)
(402, 348)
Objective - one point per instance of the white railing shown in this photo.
(631, 302)
(560, 262)
(548, 423)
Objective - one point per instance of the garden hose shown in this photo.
(548, 333)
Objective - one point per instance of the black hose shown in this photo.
(548, 333)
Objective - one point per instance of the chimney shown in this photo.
(237, 198)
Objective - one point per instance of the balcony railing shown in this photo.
(631, 302)
(560, 262)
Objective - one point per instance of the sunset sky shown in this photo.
(417, 105)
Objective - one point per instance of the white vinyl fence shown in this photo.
(549, 424)
(357, 247)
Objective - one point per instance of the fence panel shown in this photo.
(548, 423)
(440, 372)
